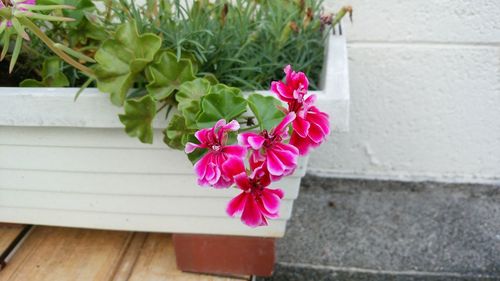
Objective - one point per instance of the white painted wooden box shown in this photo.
(68, 163)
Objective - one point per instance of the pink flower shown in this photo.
(15, 3)
(294, 88)
(279, 158)
(311, 126)
(209, 167)
(310, 131)
(256, 203)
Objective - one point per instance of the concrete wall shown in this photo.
(425, 92)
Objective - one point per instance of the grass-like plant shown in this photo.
(242, 43)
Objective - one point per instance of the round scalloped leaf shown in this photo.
(139, 115)
(120, 59)
(167, 74)
(220, 105)
(177, 134)
(266, 110)
(192, 91)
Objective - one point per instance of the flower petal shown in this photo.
(316, 133)
(256, 142)
(232, 126)
(301, 127)
(251, 215)
(256, 160)
(211, 173)
(279, 192)
(274, 164)
(200, 167)
(233, 166)
(190, 147)
(262, 175)
(253, 140)
(234, 151)
(283, 91)
(287, 155)
(281, 129)
(270, 201)
(237, 204)
(302, 144)
(202, 135)
(321, 119)
(242, 181)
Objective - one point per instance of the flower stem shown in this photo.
(39, 33)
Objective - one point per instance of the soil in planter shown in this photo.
(18, 75)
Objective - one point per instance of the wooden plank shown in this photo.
(157, 262)
(10, 236)
(8, 232)
(129, 259)
(67, 254)
(77, 254)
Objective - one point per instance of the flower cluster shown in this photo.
(270, 155)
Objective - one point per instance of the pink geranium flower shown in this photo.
(279, 158)
(294, 88)
(313, 133)
(311, 126)
(256, 203)
(209, 167)
(15, 3)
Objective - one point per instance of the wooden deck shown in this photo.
(53, 253)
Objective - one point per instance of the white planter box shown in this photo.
(71, 164)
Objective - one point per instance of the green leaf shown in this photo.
(15, 53)
(188, 98)
(167, 74)
(121, 59)
(220, 105)
(84, 31)
(221, 88)
(31, 83)
(138, 117)
(52, 2)
(177, 134)
(192, 91)
(78, 14)
(266, 110)
(211, 78)
(52, 75)
(190, 112)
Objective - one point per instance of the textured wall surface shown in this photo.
(425, 92)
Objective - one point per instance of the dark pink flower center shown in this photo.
(295, 106)
(270, 139)
(256, 187)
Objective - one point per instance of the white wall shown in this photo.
(425, 92)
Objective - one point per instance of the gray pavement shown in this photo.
(387, 230)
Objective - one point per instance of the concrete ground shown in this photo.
(386, 230)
